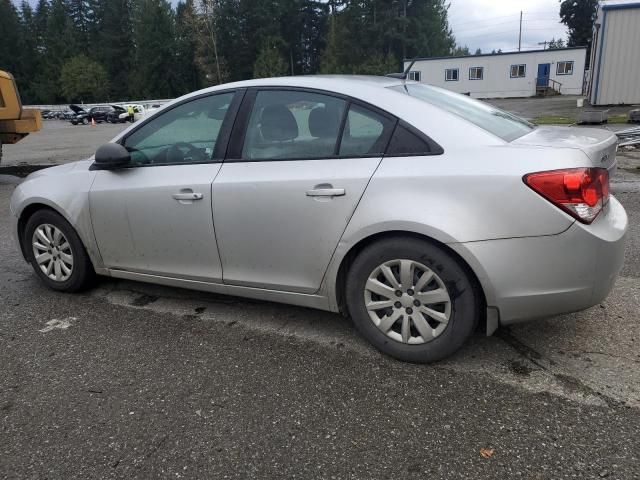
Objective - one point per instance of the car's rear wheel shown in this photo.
(56, 252)
(411, 299)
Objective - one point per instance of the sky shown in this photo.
(493, 24)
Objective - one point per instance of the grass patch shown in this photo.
(557, 120)
(550, 120)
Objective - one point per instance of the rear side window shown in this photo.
(365, 133)
(405, 141)
(293, 125)
(502, 124)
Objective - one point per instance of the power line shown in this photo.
(516, 15)
(536, 23)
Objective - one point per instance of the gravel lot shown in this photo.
(136, 381)
(60, 142)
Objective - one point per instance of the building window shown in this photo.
(476, 73)
(451, 75)
(564, 68)
(518, 71)
(414, 76)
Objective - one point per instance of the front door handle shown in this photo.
(187, 196)
(326, 192)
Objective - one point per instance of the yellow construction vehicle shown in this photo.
(15, 122)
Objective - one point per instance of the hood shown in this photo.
(599, 145)
(60, 169)
(117, 108)
(77, 109)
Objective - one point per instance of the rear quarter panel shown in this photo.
(467, 194)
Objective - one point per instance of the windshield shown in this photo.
(498, 122)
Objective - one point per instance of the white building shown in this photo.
(615, 56)
(504, 75)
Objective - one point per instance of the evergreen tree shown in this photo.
(363, 33)
(461, 51)
(113, 46)
(80, 16)
(269, 62)
(555, 44)
(11, 38)
(187, 74)
(578, 16)
(28, 52)
(153, 34)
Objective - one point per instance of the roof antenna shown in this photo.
(403, 75)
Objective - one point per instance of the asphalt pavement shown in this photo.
(137, 381)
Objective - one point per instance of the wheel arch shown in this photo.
(26, 213)
(356, 248)
(29, 210)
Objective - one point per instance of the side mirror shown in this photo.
(111, 156)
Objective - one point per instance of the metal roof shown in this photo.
(421, 59)
(619, 4)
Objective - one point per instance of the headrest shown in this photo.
(324, 122)
(278, 124)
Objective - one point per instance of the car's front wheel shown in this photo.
(56, 252)
(411, 299)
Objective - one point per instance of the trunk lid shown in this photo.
(598, 144)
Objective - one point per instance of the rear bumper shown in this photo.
(535, 277)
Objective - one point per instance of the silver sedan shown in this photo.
(421, 213)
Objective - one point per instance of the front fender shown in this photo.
(64, 189)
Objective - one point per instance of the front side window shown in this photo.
(293, 125)
(476, 73)
(184, 134)
(365, 133)
(564, 68)
(498, 122)
(451, 74)
(518, 71)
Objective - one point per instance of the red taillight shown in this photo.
(581, 192)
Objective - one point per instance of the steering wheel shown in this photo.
(180, 151)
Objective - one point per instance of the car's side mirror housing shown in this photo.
(111, 156)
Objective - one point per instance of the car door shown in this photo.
(155, 215)
(298, 165)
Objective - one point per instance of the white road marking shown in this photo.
(56, 324)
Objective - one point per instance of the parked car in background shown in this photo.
(84, 116)
(114, 116)
(139, 112)
(419, 212)
(67, 114)
(47, 114)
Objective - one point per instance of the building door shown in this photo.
(543, 74)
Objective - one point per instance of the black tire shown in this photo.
(465, 299)
(82, 273)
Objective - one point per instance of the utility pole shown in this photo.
(520, 35)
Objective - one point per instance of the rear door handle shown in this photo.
(326, 192)
(187, 196)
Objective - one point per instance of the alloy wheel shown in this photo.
(407, 301)
(52, 252)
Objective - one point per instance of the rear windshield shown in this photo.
(502, 124)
